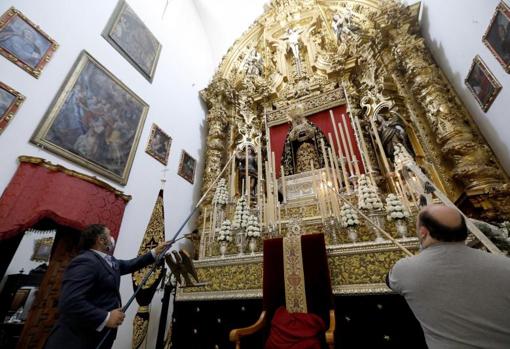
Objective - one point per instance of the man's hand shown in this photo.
(161, 247)
(116, 318)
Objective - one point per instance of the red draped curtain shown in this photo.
(41, 190)
(322, 120)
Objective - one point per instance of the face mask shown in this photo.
(110, 244)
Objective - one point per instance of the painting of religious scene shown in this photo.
(159, 145)
(95, 121)
(482, 83)
(131, 37)
(10, 101)
(187, 167)
(24, 43)
(497, 36)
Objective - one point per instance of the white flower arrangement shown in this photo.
(221, 194)
(241, 214)
(394, 208)
(348, 217)
(225, 232)
(368, 199)
(253, 228)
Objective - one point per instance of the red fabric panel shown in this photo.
(295, 331)
(319, 296)
(278, 134)
(322, 120)
(36, 192)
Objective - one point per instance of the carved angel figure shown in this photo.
(343, 27)
(254, 64)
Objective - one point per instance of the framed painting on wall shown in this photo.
(482, 83)
(95, 121)
(10, 101)
(159, 145)
(42, 249)
(130, 36)
(497, 36)
(24, 43)
(187, 167)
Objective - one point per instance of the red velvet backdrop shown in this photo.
(40, 191)
(322, 120)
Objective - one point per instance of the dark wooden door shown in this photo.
(44, 311)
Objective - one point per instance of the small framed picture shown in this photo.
(159, 145)
(497, 36)
(24, 43)
(187, 167)
(482, 83)
(10, 101)
(132, 39)
(42, 250)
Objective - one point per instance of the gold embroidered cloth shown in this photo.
(295, 295)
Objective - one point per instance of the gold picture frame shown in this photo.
(187, 166)
(24, 43)
(482, 83)
(497, 35)
(127, 33)
(42, 249)
(159, 144)
(95, 121)
(10, 102)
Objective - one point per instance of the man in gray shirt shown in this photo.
(460, 296)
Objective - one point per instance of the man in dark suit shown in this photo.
(90, 302)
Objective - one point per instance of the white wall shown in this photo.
(453, 30)
(185, 67)
(225, 20)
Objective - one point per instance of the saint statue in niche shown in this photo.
(241, 156)
(302, 145)
(392, 131)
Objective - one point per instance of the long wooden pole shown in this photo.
(159, 257)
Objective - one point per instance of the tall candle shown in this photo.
(365, 157)
(275, 183)
(344, 144)
(334, 165)
(349, 141)
(269, 208)
(316, 189)
(232, 180)
(247, 176)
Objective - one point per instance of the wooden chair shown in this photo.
(317, 286)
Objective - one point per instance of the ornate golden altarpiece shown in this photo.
(367, 55)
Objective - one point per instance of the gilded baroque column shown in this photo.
(216, 144)
(474, 164)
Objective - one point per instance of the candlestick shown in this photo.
(316, 189)
(356, 165)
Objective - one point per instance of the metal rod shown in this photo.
(160, 257)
